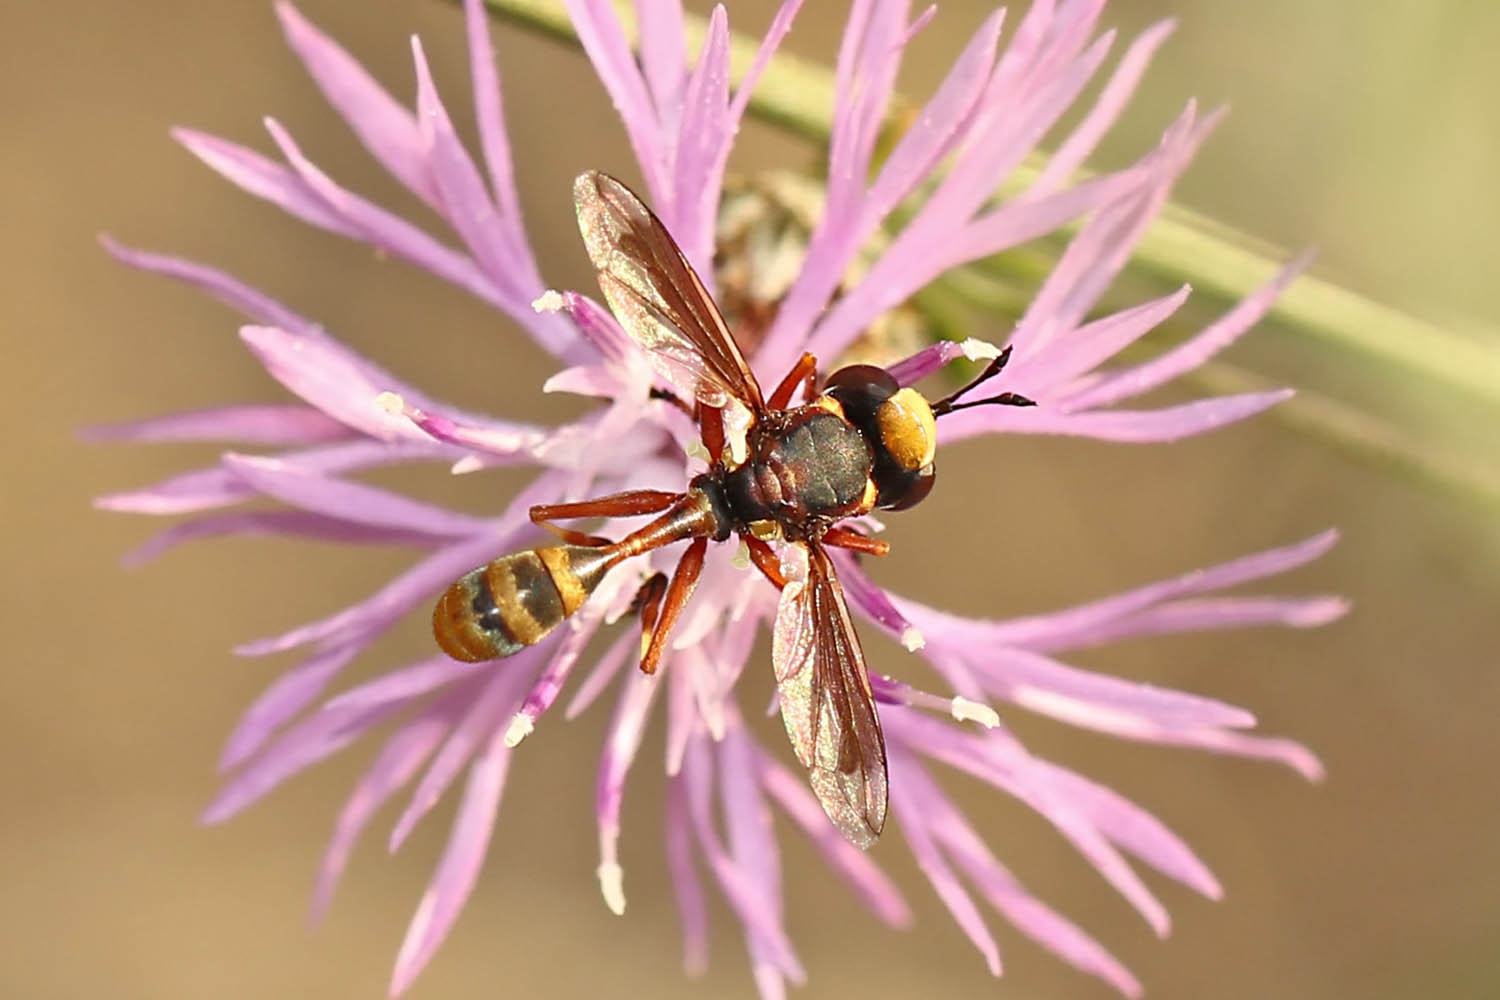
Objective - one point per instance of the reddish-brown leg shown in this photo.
(711, 430)
(847, 538)
(648, 603)
(765, 560)
(804, 371)
(631, 503)
(684, 579)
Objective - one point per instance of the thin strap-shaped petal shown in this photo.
(384, 229)
(874, 888)
(752, 841)
(387, 605)
(704, 132)
(459, 867)
(1096, 699)
(1215, 613)
(1135, 830)
(313, 739)
(686, 887)
(288, 694)
(912, 810)
(494, 141)
(1096, 342)
(354, 391)
(351, 501)
(1193, 352)
(242, 298)
(743, 895)
(1055, 631)
(253, 424)
(1170, 423)
(383, 126)
(480, 725)
(598, 679)
(548, 686)
(264, 178)
(1282, 751)
(1081, 142)
(602, 37)
(397, 763)
(406, 684)
(1024, 911)
(996, 758)
(275, 524)
(626, 729)
(473, 214)
(204, 489)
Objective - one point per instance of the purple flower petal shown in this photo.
(1081, 142)
(873, 886)
(912, 809)
(383, 609)
(489, 114)
(405, 685)
(1135, 830)
(1191, 353)
(233, 293)
(747, 899)
(315, 738)
(459, 867)
(384, 230)
(256, 175)
(386, 129)
(1170, 423)
(479, 725)
(403, 753)
(1096, 342)
(1028, 914)
(347, 500)
(637, 694)
(602, 37)
(288, 694)
(686, 886)
(1075, 627)
(262, 425)
(273, 523)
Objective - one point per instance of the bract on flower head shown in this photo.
(439, 719)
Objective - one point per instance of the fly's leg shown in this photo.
(631, 503)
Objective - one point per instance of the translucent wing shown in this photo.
(658, 298)
(826, 701)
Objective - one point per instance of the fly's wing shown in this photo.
(658, 298)
(826, 701)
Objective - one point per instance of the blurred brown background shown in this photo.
(1367, 130)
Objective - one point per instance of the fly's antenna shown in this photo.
(950, 402)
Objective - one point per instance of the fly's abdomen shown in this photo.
(515, 601)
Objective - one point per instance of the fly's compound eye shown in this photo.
(907, 491)
(900, 427)
(860, 389)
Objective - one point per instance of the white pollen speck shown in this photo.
(521, 726)
(965, 710)
(612, 885)
(912, 638)
(741, 558)
(979, 350)
(391, 403)
(696, 450)
(548, 302)
(466, 465)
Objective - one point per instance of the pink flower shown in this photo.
(443, 719)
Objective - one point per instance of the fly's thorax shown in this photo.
(805, 465)
(898, 425)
